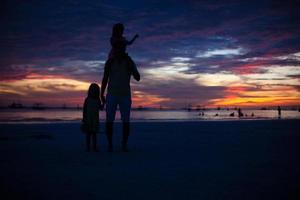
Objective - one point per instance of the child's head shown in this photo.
(94, 91)
(118, 30)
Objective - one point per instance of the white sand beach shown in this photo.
(250, 159)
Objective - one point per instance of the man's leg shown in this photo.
(125, 106)
(126, 131)
(111, 107)
(88, 141)
(109, 133)
(94, 139)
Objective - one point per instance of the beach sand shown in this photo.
(247, 159)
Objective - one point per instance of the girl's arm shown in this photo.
(101, 106)
(133, 39)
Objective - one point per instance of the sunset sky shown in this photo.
(208, 53)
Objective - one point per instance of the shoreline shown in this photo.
(58, 121)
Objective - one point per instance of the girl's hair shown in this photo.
(117, 30)
(94, 91)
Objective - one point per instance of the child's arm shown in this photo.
(133, 39)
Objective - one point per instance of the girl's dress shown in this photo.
(91, 115)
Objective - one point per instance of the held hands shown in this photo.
(102, 103)
(103, 100)
(101, 106)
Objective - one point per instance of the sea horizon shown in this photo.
(75, 115)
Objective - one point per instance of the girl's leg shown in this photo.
(88, 141)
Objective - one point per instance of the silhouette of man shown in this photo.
(117, 74)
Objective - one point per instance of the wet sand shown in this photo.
(248, 159)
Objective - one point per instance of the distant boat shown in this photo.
(38, 106)
(16, 105)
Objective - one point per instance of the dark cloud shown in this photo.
(58, 37)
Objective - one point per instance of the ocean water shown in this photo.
(56, 115)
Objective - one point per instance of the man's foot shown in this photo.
(124, 149)
(110, 149)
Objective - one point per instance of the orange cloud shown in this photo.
(50, 90)
(38, 83)
(249, 97)
(147, 100)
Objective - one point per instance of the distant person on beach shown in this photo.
(240, 114)
(201, 114)
(117, 74)
(279, 111)
(90, 121)
(118, 41)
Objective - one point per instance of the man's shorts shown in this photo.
(112, 103)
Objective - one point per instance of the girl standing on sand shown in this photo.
(90, 121)
(118, 41)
